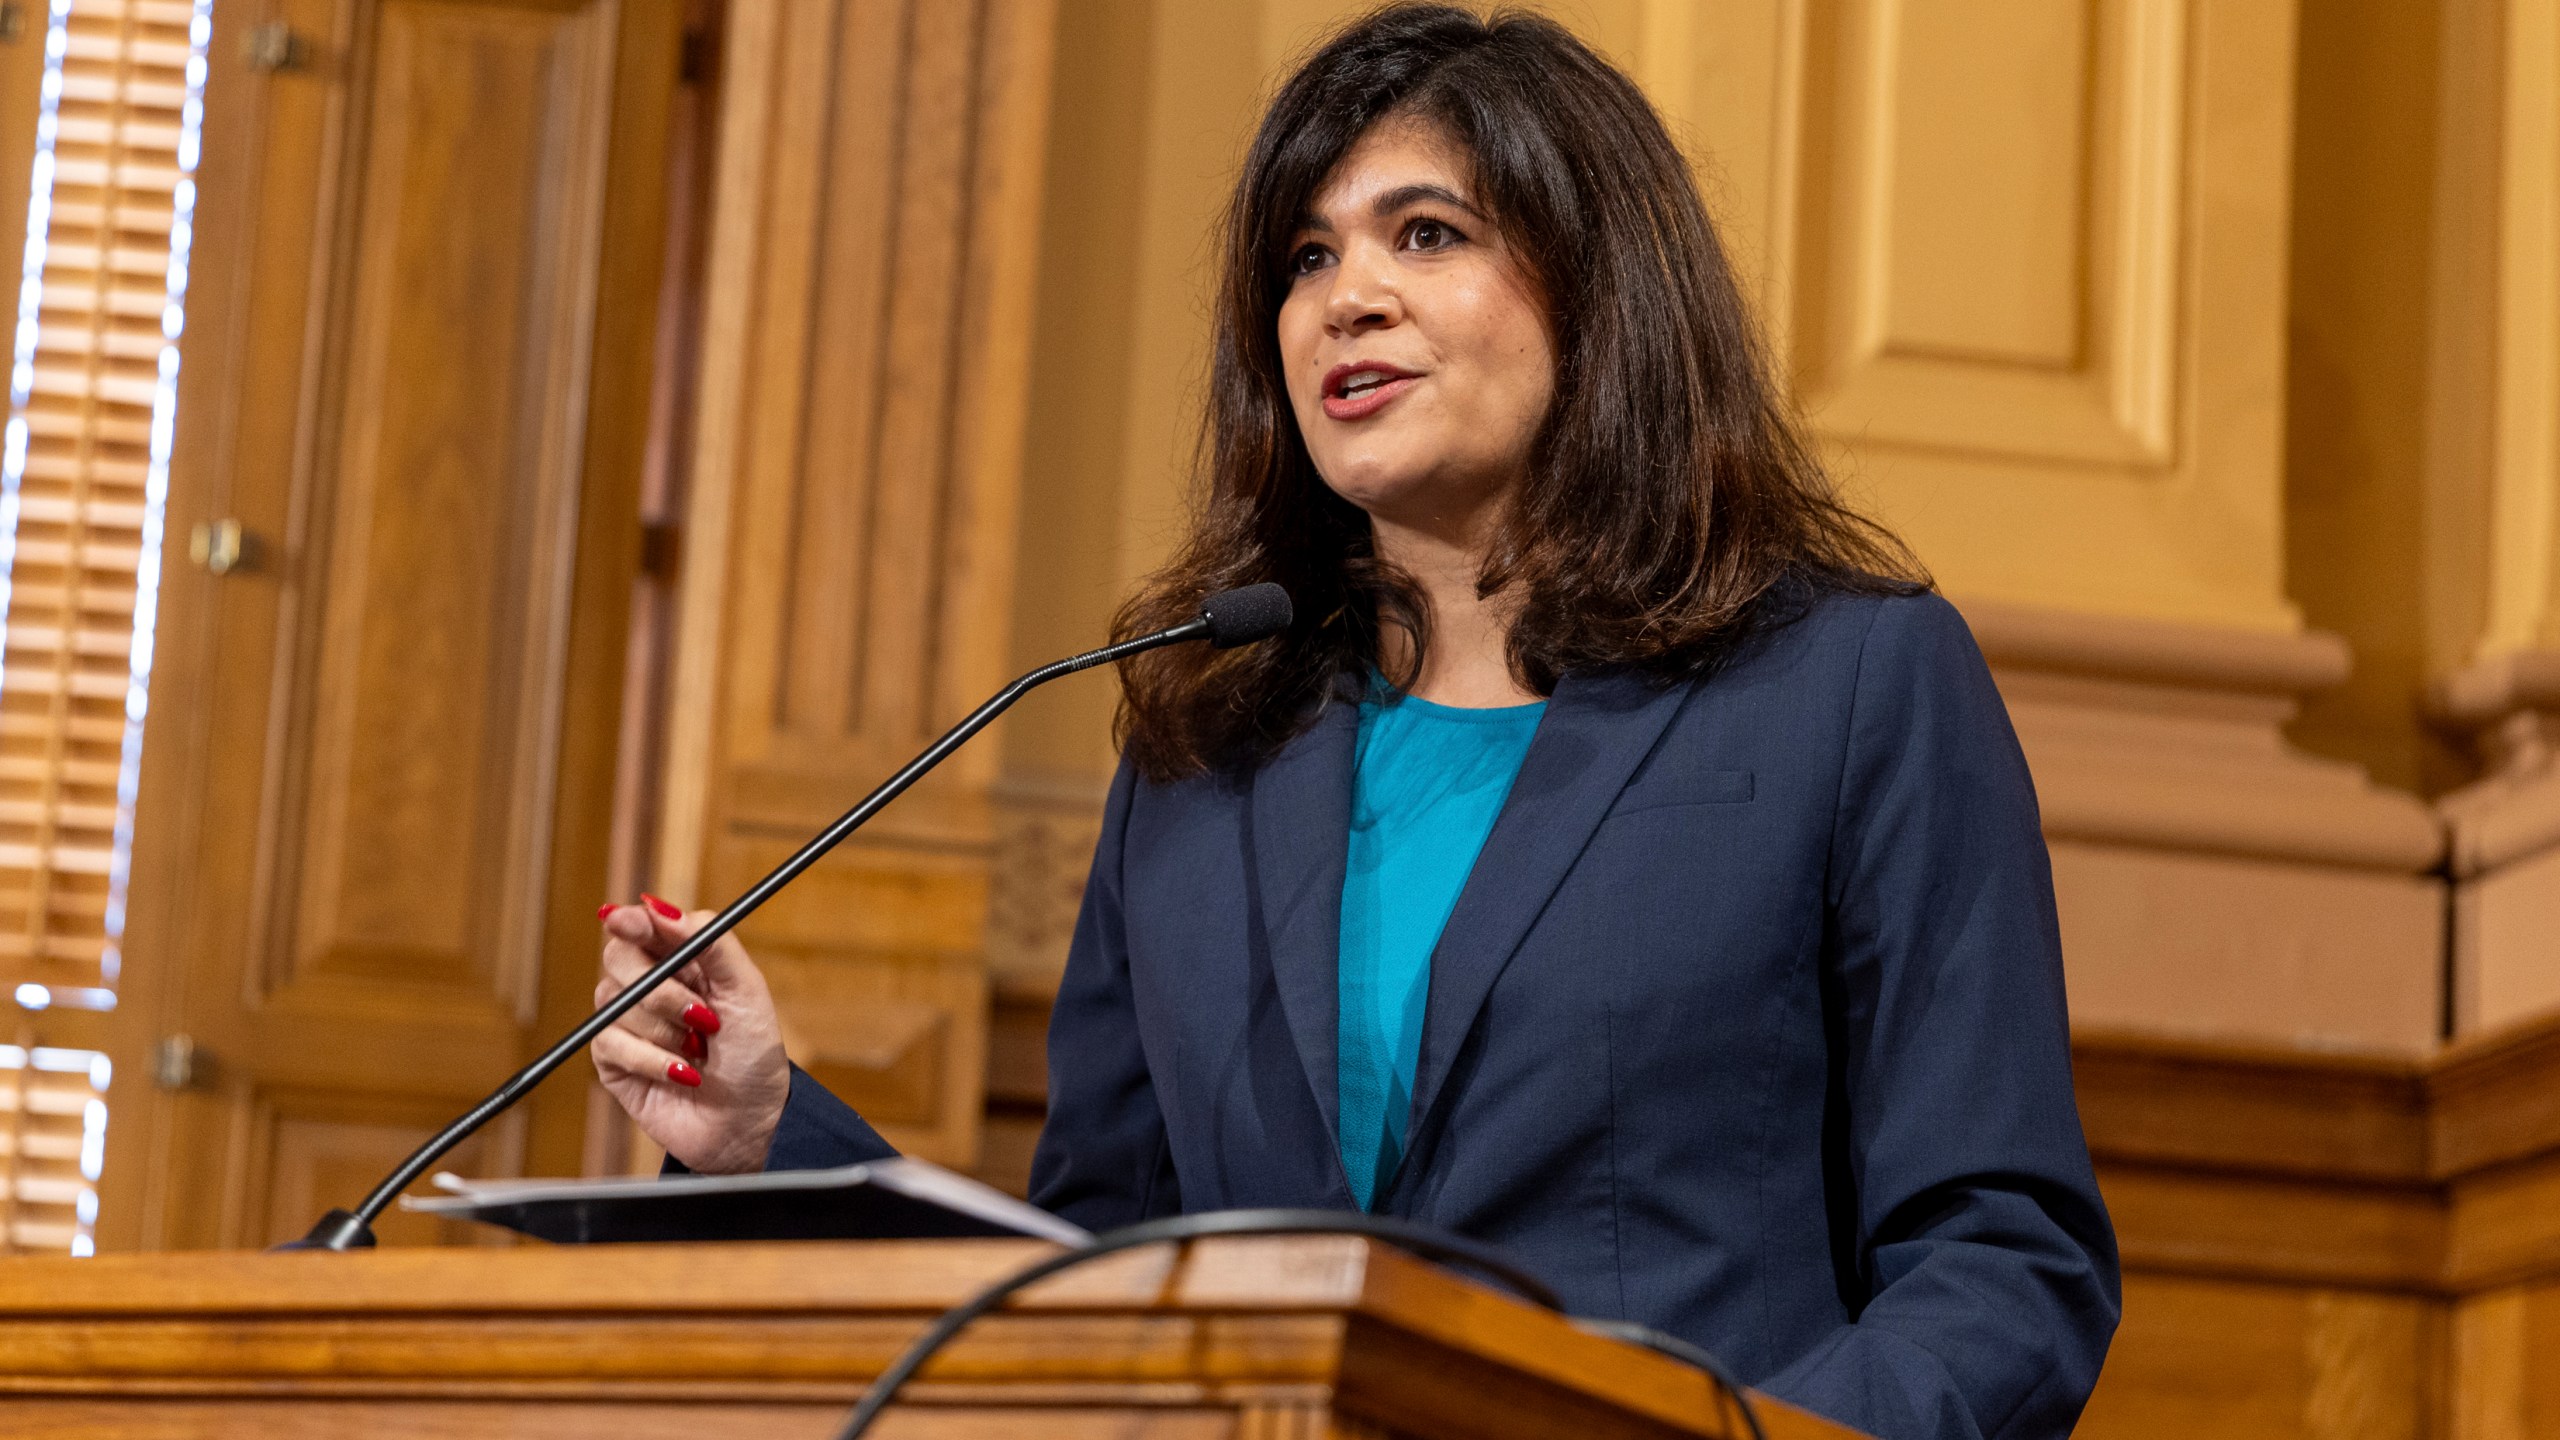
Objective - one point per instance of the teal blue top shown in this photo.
(1426, 783)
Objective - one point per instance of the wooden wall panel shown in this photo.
(2048, 346)
(2505, 1385)
(2494, 485)
(2330, 1245)
(316, 1149)
(431, 746)
(1990, 233)
(2208, 1359)
(853, 511)
(2026, 266)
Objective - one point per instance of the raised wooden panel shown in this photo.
(1990, 231)
(1984, 176)
(2504, 1386)
(262, 1160)
(876, 964)
(452, 492)
(2203, 1359)
(855, 1026)
(312, 1151)
(2194, 1358)
(2025, 263)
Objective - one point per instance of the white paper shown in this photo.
(916, 1179)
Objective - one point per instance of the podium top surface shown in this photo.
(1415, 1348)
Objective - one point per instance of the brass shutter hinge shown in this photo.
(173, 1062)
(222, 546)
(274, 46)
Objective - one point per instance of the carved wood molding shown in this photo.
(2503, 836)
(2213, 879)
(2169, 735)
(856, 473)
(2439, 1176)
(1045, 833)
(2510, 705)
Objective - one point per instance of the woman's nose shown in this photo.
(1364, 297)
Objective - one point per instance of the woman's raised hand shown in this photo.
(698, 1063)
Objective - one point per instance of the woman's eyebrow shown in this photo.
(1404, 195)
(1392, 201)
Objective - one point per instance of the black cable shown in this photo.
(1684, 1352)
(1406, 1235)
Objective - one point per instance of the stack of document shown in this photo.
(898, 1199)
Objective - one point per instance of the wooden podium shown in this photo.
(1261, 1339)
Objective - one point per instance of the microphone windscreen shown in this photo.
(1240, 617)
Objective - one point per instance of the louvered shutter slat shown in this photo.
(119, 81)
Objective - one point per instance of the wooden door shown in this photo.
(377, 791)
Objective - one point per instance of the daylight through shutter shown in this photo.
(92, 392)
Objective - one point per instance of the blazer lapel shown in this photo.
(1301, 828)
(1595, 733)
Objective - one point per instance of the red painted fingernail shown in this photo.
(605, 911)
(699, 1016)
(663, 908)
(684, 1074)
(695, 1046)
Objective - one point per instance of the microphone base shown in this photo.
(337, 1230)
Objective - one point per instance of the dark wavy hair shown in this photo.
(1669, 498)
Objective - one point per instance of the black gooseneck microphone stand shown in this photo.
(1227, 619)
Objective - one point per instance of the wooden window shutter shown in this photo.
(82, 478)
(53, 1127)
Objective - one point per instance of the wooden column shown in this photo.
(2500, 438)
(851, 529)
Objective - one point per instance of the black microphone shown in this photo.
(1227, 619)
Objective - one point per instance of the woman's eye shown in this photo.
(1306, 260)
(1431, 235)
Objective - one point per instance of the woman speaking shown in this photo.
(1623, 860)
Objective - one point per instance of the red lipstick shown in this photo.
(1359, 388)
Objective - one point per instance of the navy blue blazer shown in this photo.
(1748, 1025)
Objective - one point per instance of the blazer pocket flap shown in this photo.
(1694, 787)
